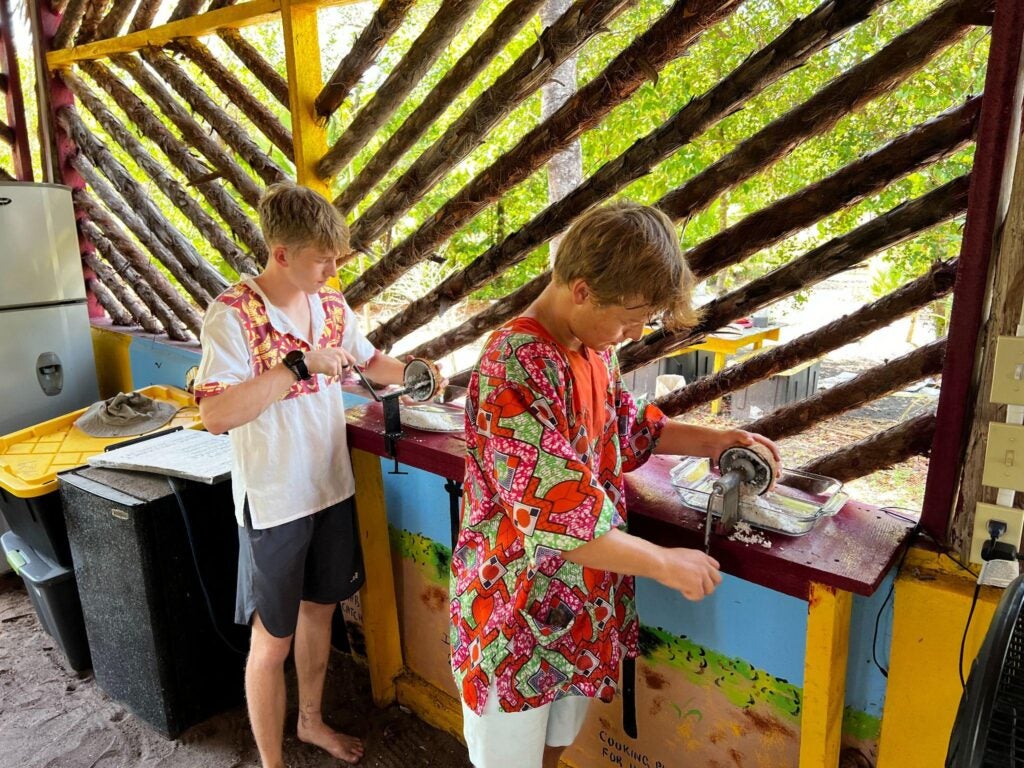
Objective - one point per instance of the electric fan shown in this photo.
(989, 728)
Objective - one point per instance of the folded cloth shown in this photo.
(125, 414)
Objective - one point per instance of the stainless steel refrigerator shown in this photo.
(47, 366)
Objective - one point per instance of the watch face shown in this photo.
(293, 357)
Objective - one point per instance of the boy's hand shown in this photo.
(690, 572)
(330, 361)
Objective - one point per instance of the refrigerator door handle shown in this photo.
(50, 373)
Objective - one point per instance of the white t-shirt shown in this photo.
(292, 460)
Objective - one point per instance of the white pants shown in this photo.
(499, 739)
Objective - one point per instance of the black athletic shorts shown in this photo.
(315, 558)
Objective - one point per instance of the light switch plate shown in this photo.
(1014, 519)
(1004, 457)
(1008, 373)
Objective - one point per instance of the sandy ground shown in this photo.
(52, 718)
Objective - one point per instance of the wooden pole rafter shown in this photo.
(936, 283)
(385, 22)
(425, 50)
(584, 20)
(667, 39)
(212, 230)
(881, 450)
(254, 61)
(494, 39)
(873, 384)
(897, 225)
(239, 95)
(137, 261)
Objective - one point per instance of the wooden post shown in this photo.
(1005, 299)
(380, 605)
(15, 102)
(998, 133)
(828, 646)
(305, 81)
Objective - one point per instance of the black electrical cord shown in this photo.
(892, 586)
(176, 489)
(963, 640)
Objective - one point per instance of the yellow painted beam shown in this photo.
(233, 17)
(113, 361)
(828, 646)
(432, 705)
(379, 603)
(932, 600)
(305, 81)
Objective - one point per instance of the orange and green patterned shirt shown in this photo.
(549, 434)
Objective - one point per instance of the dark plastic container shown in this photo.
(54, 595)
(39, 521)
(155, 646)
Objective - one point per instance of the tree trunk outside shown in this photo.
(565, 170)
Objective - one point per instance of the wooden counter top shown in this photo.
(852, 551)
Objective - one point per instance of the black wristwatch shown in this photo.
(295, 361)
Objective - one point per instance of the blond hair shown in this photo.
(627, 252)
(299, 217)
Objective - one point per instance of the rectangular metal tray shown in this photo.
(792, 508)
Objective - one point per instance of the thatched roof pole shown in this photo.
(138, 261)
(386, 20)
(114, 20)
(143, 18)
(230, 131)
(215, 4)
(239, 95)
(798, 43)
(91, 21)
(114, 308)
(138, 198)
(922, 145)
(873, 77)
(897, 225)
(527, 73)
(115, 263)
(186, 8)
(672, 34)
(878, 451)
(476, 326)
(871, 385)
(455, 81)
(916, 149)
(241, 262)
(425, 50)
(198, 174)
(69, 23)
(123, 210)
(665, 40)
(123, 292)
(937, 282)
(6, 133)
(194, 133)
(256, 64)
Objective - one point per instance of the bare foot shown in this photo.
(337, 745)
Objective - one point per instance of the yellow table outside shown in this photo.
(723, 345)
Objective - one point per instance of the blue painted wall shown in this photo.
(742, 620)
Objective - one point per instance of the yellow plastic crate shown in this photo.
(31, 458)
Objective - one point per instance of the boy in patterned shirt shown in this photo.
(542, 593)
(274, 350)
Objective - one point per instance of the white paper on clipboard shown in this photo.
(188, 453)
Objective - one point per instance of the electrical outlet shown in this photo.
(1008, 373)
(1014, 519)
(1004, 457)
